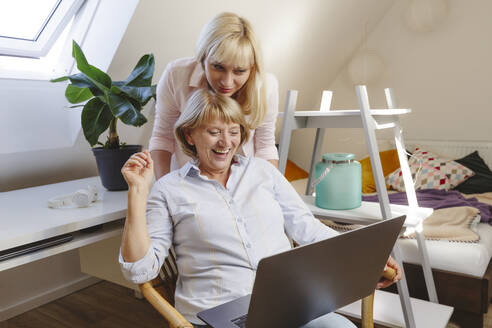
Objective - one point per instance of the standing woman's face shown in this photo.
(226, 78)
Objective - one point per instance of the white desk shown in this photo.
(26, 218)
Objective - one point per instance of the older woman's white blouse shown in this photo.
(220, 234)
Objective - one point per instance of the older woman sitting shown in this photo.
(221, 212)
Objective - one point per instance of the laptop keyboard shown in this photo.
(241, 321)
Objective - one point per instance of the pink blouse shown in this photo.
(179, 80)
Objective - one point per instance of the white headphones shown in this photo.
(80, 198)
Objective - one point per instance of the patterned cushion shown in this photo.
(455, 172)
(430, 172)
(423, 176)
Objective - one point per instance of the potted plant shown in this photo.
(106, 102)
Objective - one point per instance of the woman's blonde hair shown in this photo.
(205, 106)
(228, 37)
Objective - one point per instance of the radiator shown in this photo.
(450, 149)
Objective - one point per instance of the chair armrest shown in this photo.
(367, 307)
(174, 318)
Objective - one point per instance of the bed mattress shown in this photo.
(467, 258)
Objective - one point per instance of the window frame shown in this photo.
(51, 30)
(61, 63)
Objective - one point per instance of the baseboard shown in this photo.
(46, 297)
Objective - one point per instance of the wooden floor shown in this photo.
(106, 305)
(101, 305)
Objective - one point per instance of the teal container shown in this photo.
(341, 188)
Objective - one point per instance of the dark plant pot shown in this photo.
(109, 164)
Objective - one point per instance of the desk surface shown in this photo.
(25, 216)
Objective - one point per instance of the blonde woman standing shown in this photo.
(229, 62)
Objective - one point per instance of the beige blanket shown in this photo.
(453, 224)
(485, 197)
(450, 224)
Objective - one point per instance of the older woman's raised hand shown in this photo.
(138, 170)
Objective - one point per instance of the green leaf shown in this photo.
(94, 74)
(96, 117)
(140, 94)
(77, 95)
(60, 79)
(81, 81)
(141, 76)
(115, 89)
(124, 110)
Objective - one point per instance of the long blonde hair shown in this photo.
(229, 37)
(207, 106)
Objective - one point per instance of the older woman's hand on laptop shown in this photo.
(391, 270)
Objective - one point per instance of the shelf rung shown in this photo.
(388, 311)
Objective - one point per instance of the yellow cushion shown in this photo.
(389, 161)
(294, 172)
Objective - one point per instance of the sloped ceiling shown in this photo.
(329, 32)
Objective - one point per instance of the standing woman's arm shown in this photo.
(162, 162)
(264, 138)
(162, 141)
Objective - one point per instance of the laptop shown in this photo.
(294, 287)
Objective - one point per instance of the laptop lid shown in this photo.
(299, 285)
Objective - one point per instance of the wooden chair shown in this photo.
(160, 293)
(367, 308)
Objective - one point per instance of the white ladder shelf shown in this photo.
(370, 121)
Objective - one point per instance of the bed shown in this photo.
(462, 267)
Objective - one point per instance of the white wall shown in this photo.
(443, 75)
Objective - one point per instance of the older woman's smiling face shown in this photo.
(216, 143)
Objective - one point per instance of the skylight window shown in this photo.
(45, 67)
(29, 28)
(18, 23)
